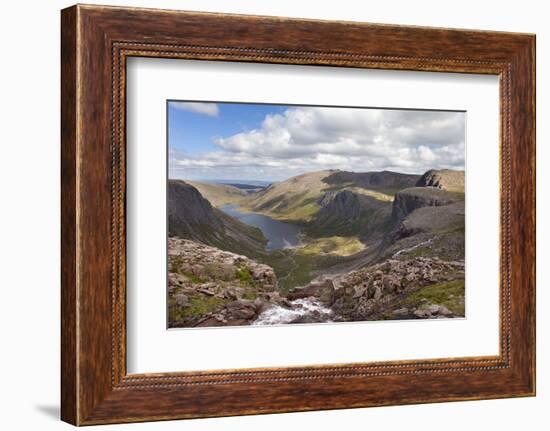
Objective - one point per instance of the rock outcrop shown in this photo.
(408, 200)
(211, 287)
(444, 179)
(348, 213)
(384, 180)
(189, 212)
(428, 214)
(381, 290)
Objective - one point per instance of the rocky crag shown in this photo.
(395, 289)
(444, 179)
(408, 200)
(211, 287)
(349, 212)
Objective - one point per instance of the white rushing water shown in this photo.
(276, 315)
(414, 247)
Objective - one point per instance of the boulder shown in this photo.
(401, 311)
(433, 309)
(444, 311)
(420, 314)
(444, 179)
(181, 299)
(391, 283)
(370, 290)
(322, 290)
(239, 309)
(360, 290)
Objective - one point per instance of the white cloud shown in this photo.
(310, 138)
(210, 109)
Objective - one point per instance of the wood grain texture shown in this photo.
(96, 41)
(69, 396)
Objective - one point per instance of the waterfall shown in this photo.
(276, 315)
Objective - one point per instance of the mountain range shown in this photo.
(349, 220)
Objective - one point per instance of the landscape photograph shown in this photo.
(295, 214)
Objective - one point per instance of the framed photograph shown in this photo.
(272, 218)
(264, 214)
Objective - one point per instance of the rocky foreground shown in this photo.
(211, 287)
(422, 287)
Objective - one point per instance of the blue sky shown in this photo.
(240, 141)
(193, 132)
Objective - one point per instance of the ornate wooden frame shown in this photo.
(95, 42)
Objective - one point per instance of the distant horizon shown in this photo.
(226, 181)
(212, 142)
(252, 180)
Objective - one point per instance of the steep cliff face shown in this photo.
(349, 213)
(408, 200)
(191, 216)
(386, 181)
(427, 221)
(344, 204)
(444, 179)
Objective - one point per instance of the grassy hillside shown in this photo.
(297, 199)
(336, 245)
(294, 199)
(220, 194)
(384, 197)
(385, 182)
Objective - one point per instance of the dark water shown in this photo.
(279, 234)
